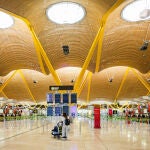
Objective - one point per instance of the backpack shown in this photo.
(67, 122)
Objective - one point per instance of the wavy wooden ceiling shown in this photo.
(121, 44)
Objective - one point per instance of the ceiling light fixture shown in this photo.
(138, 10)
(6, 20)
(144, 46)
(66, 12)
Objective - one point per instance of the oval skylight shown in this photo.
(6, 20)
(65, 13)
(138, 10)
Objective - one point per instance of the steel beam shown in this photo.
(122, 83)
(40, 51)
(82, 85)
(4, 94)
(123, 105)
(94, 44)
(141, 79)
(87, 61)
(89, 86)
(25, 82)
(35, 39)
(8, 80)
(101, 34)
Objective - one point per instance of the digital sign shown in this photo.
(73, 97)
(58, 111)
(65, 98)
(50, 111)
(57, 98)
(50, 98)
(63, 87)
(66, 110)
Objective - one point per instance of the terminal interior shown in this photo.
(99, 48)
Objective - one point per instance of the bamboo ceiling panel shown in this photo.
(2, 95)
(41, 87)
(52, 36)
(101, 86)
(17, 48)
(102, 89)
(132, 87)
(84, 92)
(122, 42)
(16, 89)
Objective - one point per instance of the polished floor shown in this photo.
(113, 135)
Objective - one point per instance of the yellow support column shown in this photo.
(99, 50)
(121, 85)
(94, 44)
(141, 80)
(79, 106)
(4, 94)
(40, 51)
(124, 105)
(36, 41)
(89, 87)
(23, 78)
(44, 55)
(87, 61)
(82, 85)
(50, 67)
(111, 106)
(101, 34)
(7, 81)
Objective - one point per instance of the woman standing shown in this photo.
(64, 126)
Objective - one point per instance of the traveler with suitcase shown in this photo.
(66, 123)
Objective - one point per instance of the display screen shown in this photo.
(58, 111)
(66, 110)
(66, 98)
(50, 98)
(50, 111)
(57, 98)
(73, 97)
(61, 87)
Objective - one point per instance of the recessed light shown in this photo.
(6, 20)
(66, 12)
(138, 10)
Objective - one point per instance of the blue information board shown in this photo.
(50, 98)
(58, 111)
(57, 98)
(65, 98)
(73, 97)
(49, 111)
(66, 110)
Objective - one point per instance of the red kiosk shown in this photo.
(97, 117)
(149, 107)
(110, 112)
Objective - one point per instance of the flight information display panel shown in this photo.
(50, 98)
(66, 98)
(58, 111)
(50, 111)
(66, 110)
(73, 97)
(57, 98)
